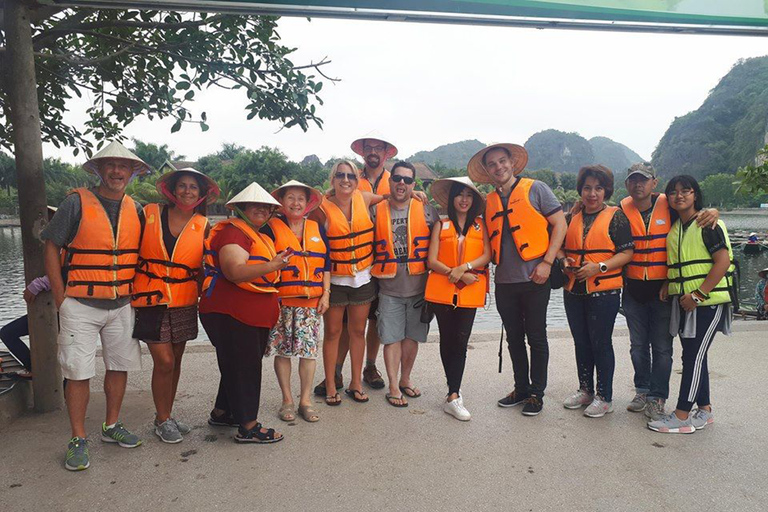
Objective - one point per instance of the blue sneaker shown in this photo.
(120, 435)
(77, 455)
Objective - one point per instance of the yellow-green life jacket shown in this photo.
(689, 262)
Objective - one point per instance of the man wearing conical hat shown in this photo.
(93, 239)
(526, 227)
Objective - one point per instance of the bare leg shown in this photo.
(163, 373)
(410, 350)
(283, 372)
(306, 376)
(356, 325)
(332, 331)
(114, 388)
(178, 354)
(372, 341)
(343, 348)
(393, 355)
(77, 393)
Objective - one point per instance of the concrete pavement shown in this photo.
(374, 457)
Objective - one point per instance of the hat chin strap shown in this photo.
(183, 207)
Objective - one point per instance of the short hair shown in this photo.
(601, 173)
(407, 165)
(687, 181)
(499, 148)
(281, 193)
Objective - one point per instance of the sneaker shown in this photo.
(320, 388)
(701, 418)
(638, 403)
(456, 409)
(578, 399)
(168, 432)
(513, 399)
(533, 406)
(671, 424)
(372, 377)
(223, 420)
(184, 429)
(655, 409)
(598, 408)
(77, 455)
(120, 435)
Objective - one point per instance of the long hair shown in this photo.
(335, 168)
(686, 181)
(474, 210)
(202, 208)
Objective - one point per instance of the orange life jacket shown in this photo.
(597, 247)
(168, 279)
(384, 260)
(100, 265)
(351, 241)
(262, 251)
(380, 187)
(529, 227)
(439, 289)
(303, 277)
(649, 261)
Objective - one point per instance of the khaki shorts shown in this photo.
(400, 318)
(80, 328)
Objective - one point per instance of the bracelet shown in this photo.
(547, 262)
(700, 293)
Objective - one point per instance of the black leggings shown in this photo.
(239, 351)
(455, 328)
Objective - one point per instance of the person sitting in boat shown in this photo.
(752, 238)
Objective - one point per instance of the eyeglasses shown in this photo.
(681, 193)
(397, 178)
(374, 149)
(349, 175)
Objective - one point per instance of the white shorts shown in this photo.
(80, 327)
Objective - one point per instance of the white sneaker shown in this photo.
(456, 409)
(579, 399)
(598, 408)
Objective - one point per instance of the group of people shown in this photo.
(371, 252)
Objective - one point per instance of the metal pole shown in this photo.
(21, 88)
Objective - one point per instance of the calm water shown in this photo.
(11, 268)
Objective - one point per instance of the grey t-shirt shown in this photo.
(404, 284)
(511, 267)
(62, 228)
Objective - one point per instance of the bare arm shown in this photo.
(541, 273)
(325, 299)
(372, 199)
(234, 264)
(432, 262)
(53, 271)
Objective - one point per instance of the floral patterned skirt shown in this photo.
(296, 333)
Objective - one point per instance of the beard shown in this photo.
(372, 161)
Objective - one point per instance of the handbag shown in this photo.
(427, 313)
(556, 276)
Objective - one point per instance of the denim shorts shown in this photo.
(400, 318)
(348, 296)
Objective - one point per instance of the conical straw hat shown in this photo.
(116, 150)
(357, 146)
(476, 169)
(253, 193)
(315, 196)
(441, 189)
(213, 189)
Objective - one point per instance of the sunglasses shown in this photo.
(397, 178)
(349, 175)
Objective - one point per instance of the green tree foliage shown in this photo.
(753, 179)
(567, 181)
(719, 190)
(725, 132)
(150, 63)
(153, 154)
(545, 175)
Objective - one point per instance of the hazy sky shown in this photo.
(425, 85)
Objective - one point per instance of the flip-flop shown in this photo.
(410, 392)
(336, 400)
(308, 413)
(391, 399)
(353, 394)
(287, 412)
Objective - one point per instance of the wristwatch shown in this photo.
(469, 266)
(696, 298)
(603, 267)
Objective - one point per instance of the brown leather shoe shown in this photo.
(372, 377)
(320, 388)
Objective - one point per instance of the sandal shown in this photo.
(410, 392)
(286, 412)
(308, 413)
(392, 399)
(255, 435)
(353, 393)
(333, 400)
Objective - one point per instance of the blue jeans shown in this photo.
(11, 335)
(650, 345)
(591, 320)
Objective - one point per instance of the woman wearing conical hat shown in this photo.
(459, 252)
(304, 290)
(166, 286)
(239, 307)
